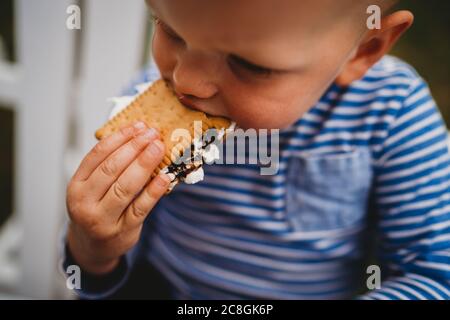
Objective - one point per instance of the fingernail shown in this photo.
(139, 125)
(149, 134)
(155, 148)
(127, 130)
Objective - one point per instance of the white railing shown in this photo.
(50, 98)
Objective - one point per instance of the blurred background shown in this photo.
(53, 85)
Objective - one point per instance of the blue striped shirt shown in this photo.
(367, 167)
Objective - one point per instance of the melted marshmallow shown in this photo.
(210, 154)
(195, 176)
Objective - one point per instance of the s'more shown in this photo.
(183, 131)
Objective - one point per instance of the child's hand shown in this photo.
(104, 198)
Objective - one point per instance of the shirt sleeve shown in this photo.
(412, 196)
(93, 287)
(99, 287)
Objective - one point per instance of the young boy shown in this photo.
(360, 137)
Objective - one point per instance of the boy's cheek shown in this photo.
(163, 55)
(277, 109)
(258, 114)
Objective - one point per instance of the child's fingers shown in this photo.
(139, 209)
(133, 179)
(104, 148)
(112, 167)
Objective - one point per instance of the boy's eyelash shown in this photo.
(154, 19)
(248, 66)
(165, 28)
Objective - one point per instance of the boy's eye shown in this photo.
(239, 63)
(166, 28)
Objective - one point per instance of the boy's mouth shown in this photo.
(187, 102)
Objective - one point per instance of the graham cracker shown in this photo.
(159, 108)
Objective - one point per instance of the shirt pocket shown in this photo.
(328, 191)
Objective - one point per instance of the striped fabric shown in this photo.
(367, 167)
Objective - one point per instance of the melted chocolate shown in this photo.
(181, 170)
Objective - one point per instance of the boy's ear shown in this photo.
(374, 45)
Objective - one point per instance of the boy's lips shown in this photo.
(188, 102)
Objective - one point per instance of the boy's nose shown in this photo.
(192, 76)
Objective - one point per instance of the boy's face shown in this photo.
(261, 63)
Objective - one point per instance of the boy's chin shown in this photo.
(262, 126)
